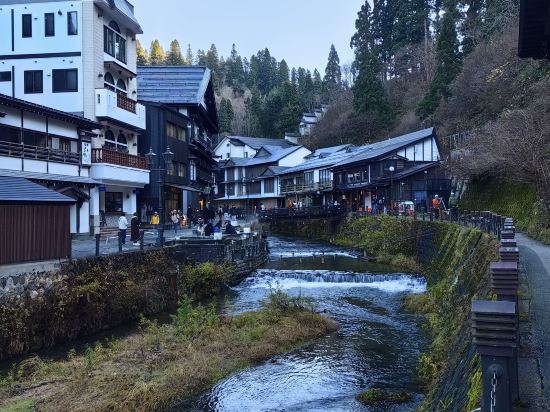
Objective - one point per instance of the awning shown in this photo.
(49, 177)
(188, 188)
(17, 190)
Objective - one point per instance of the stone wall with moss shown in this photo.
(455, 261)
(42, 309)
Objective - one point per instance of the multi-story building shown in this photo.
(251, 181)
(189, 91)
(243, 147)
(80, 57)
(52, 148)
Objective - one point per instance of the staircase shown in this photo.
(108, 232)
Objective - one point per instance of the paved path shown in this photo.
(535, 363)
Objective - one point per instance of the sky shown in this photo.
(299, 31)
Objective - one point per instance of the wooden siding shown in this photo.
(33, 232)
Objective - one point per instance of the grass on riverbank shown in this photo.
(151, 370)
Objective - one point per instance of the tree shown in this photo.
(189, 59)
(284, 73)
(225, 116)
(448, 62)
(333, 75)
(368, 90)
(234, 71)
(471, 25)
(174, 57)
(156, 55)
(142, 55)
(200, 58)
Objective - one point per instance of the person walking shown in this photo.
(122, 228)
(134, 232)
(175, 217)
(436, 204)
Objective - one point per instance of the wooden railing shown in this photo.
(114, 157)
(305, 187)
(38, 153)
(126, 103)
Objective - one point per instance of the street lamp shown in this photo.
(391, 169)
(167, 156)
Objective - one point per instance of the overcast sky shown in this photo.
(300, 31)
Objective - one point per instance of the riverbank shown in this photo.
(152, 369)
(454, 261)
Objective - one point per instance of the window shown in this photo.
(269, 185)
(121, 86)
(109, 82)
(119, 144)
(27, 25)
(192, 171)
(227, 155)
(174, 131)
(113, 42)
(177, 169)
(65, 80)
(324, 177)
(113, 202)
(72, 23)
(64, 145)
(245, 154)
(308, 178)
(33, 82)
(49, 24)
(34, 138)
(5, 76)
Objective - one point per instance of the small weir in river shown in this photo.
(377, 344)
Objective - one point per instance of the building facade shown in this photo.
(189, 91)
(80, 57)
(52, 148)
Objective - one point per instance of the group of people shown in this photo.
(135, 224)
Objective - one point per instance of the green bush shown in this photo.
(202, 280)
(278, 303)
(375, 396)
(19, 406)
(191, 321)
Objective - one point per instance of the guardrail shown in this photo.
(38, 153)
(310, 212)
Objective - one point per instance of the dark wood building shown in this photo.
(189, 91)
(534, 29)
(35, 222)
(167, 128)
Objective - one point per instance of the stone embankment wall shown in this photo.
(42, 309)
(455, 262)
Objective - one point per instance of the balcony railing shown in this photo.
(114, 157)
(126, 103)
(38, 153)
(305, 187)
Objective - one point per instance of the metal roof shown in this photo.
(320, 162)
(329, 150)
(258, 142)
(48, 177)
(173, 84)
(387, 146)
(277, 154)
(48, 111)
(17, 189)
(122, 9)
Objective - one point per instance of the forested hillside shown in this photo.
(260, 96)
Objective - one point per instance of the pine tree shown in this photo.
(381, 26)
(189, 59)
(448, 62)
(471, 26)
(200, 58)
(142, 55)
(156, 55)
(368, 90)
(225, 116)
(174, 57)
(284, 73)
(333, 75)
(234, 70)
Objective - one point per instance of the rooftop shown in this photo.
(17, 189)
(173, 84)
(277, 153)
(258, 142)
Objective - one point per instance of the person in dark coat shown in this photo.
(134, 233)
(208, 229)
(190, 215)
(229, 229)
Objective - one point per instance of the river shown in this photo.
(377, 344)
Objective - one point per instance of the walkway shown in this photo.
(534, 361)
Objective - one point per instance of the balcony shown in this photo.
(305, 187)
(119, 108)
(119, 168)
(114, 157)
(38, 153)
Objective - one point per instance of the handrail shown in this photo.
(38, 153)
(110, 156)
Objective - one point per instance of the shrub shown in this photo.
(191, 321)
(375, 396)
(278, 303)
(203, 280)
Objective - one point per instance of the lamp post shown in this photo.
(391, 169)
(167, 156)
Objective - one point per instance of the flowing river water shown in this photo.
(377, 344)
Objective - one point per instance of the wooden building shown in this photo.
(534, 29)
(35, 222)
